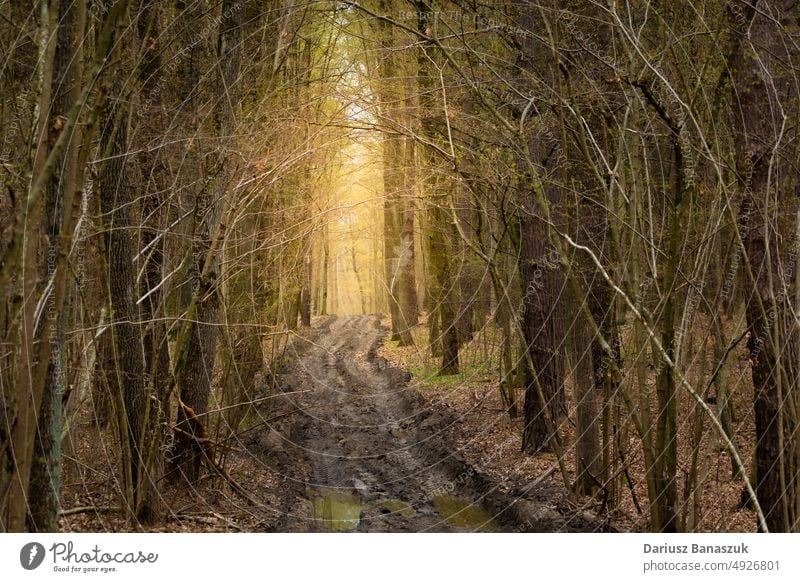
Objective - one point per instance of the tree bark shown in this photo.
(126, 337)
(305, 299)
(543, 329)
(763, 86)
(153, 223)
(198, 365)
(43, 492)
(396, 252)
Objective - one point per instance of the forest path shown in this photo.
(371, 459)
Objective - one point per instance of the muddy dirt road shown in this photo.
(357, 452)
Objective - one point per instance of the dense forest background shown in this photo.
(587, 210)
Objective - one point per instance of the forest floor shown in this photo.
(483, 434)
(360, 434)
(347, 444)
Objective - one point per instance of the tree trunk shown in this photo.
(543, 328)
(396, 253)
(198, 365)
(408, 278)
(666, 445)
(588, 457)
(43, 492)
(126, 338)
(153, 223)
(437, 186)
(322, 309)
(305, 299)
(446, 298)
(763, 84)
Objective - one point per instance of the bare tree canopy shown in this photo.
(395, 265)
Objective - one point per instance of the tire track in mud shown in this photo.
(363, 454)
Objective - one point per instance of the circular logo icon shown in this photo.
(31, 555)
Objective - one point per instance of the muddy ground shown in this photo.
(356, 449)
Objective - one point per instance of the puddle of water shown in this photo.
(460, 513)
(397, 506)
(338, 510)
